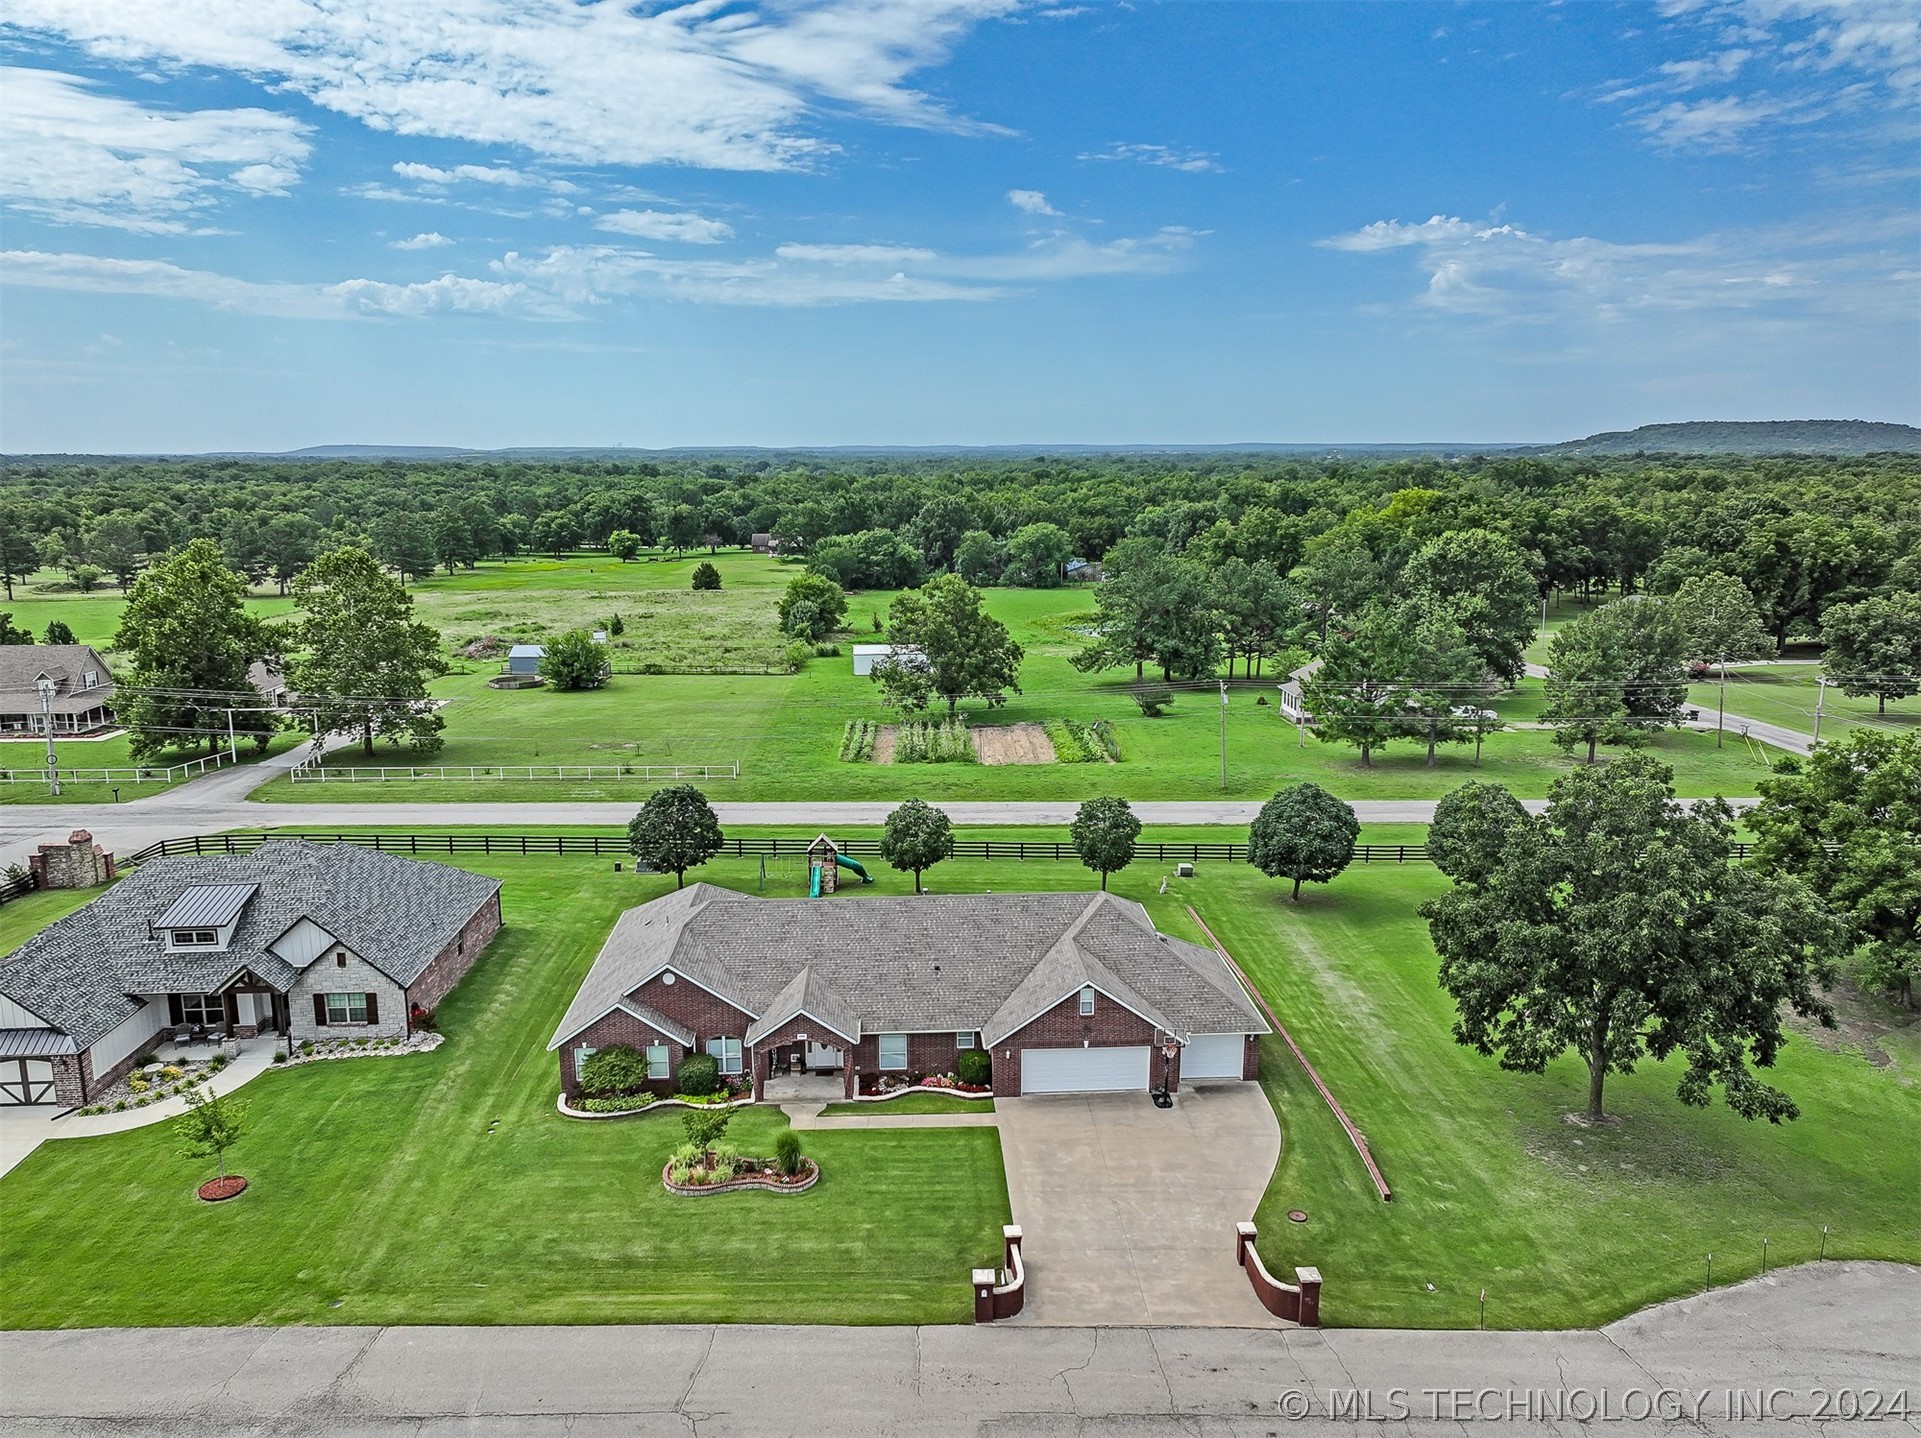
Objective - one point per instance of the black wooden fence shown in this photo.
(12, 888)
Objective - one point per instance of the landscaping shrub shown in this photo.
(787, 1155)
(628, 1103)
(423, 1020)
(280, 1057)
(699, 1075)
(706, 576)
(797, 655)
(827, 651)
(973, 1067)
(616, 1069)
(1154, 699)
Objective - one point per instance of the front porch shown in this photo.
(796, 1087)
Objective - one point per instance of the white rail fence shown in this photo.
(462, 773)
(116, 774)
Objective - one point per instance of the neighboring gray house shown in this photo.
(82, 688)
(297, 938)
(1069, 993)
(525, 659)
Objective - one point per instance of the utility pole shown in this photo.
(1721, 716)
(1224, 736)
(1820, 699)
(233, 749)
(45, 687)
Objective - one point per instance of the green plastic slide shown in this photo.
(846, 863)
(813, 881)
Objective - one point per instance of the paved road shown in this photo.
(1735, 725)
(1833, 1327)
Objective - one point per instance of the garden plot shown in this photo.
(1013, 744)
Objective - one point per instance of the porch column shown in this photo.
(847, 1071)
(761, 1063)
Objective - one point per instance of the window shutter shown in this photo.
(373, 1008)
(320, 1010)
(173, 1009)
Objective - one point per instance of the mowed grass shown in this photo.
(785, 730)
(377, 1185)
(910, 1103)
(1563, 1225)
(23, 762)
(1786, 694)
(381, 1194)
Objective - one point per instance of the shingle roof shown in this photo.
(81, 973)
(915, 965)
(21, 666)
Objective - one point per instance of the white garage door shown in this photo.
(1083, 1070)
(26, 1081)
(1211, 1056)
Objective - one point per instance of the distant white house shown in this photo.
(525, 659)
(866, 656)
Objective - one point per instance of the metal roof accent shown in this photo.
(207, 906)
(35, 1044)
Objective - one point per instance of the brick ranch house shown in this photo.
(1069, 993)
(311, 941)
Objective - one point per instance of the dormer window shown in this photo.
(196, 938)
(90, 679)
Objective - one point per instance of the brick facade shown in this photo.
(77, 864)
(1251, 1057)
(451, 964)
(934, 1053)
(619, 1027)
(1111, 1025)
(686, 1002)
(788, 1036)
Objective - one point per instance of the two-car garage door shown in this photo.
(1089, 1070)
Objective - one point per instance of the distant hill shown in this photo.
(1770, 436)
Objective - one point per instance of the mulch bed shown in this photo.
(747, 1182)
(216, 1190)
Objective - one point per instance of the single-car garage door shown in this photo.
(24, 1081)
(1087, 1070)
(1211, 1056)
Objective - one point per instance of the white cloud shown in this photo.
(856, 254)
(505, 175)
(1504, 272)
(80, 157)
(587, 275)
(1030, 202)
(681, 225)
(427, 240)
(96, 274)
(707, 83)
(1165, 156)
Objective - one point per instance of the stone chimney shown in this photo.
(77, 864)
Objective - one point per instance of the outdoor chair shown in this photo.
(183, 1036)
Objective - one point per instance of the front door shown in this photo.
(821, 1056)
(26, 1081)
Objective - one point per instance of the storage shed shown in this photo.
(525, 659)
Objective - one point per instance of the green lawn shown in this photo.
(25, 760)
(909, 1103)
(1786, 694)
(377, 1184)
(1562, 1225)
(785, 730)
(382, 1195)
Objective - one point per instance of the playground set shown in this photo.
(824, 862)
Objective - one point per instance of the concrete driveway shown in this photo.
(23, 1129)
(1129, 1210)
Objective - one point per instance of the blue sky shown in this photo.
(265, 224)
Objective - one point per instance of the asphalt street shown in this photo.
(1827, 1339)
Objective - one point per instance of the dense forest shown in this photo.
(1801, 533)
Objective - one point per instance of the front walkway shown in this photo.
(22, 1130)
(1833, 1328)
(806, 1115)
(1129, 1210)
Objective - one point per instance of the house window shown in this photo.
(195, 938)
(90, 679)
(347, 1008)
(203, 1010)
(657, 1061)
(964, 1039)
(1087, 1001)
(893, 1051)
(340, 961)
(581, 1055)
(728, 1052)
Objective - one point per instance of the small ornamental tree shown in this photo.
(1304, 834)
(624, 545)
(705, 1127)
(210, 1126)
(917, 836)
(574, 661)
(1104, 831)
(706, 576)
(812, 606)
(59, 633)
(675, 831)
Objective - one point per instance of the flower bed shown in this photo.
(312, 1052)
(764, 1179)
(950, 1090)
(219, 1190)
(155, 1080)
(643, 1103)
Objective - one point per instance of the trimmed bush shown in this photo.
(706, 576)
(973, 1067)
(699, 1074)
(616, 1069)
